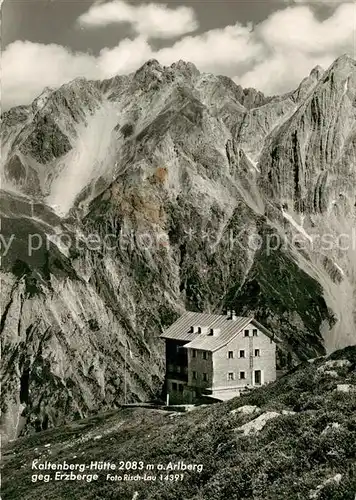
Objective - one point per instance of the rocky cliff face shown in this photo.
(129, 200)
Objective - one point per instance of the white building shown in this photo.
(217, 355)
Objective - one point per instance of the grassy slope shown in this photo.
(288, 459)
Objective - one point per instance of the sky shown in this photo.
(267, 44)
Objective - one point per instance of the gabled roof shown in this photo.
(181, 330)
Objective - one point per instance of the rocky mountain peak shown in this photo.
(187, 68)
(317, 72)
(342, 71)
(149, 75)
(42, 99)
(153, 73)
(308, 84)
(344, 61)
(150, 66)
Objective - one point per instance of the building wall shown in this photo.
(176, 360)
(266, 362)
(179, 394)
(176, 371)
(199, 365)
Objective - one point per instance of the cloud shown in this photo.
(28, 67)
(150, 20)
(273, 56)
(294, 41)
(215, 50)
(277, 75)
(297, 28)
(126, 57)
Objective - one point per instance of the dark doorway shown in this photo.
(258, 377)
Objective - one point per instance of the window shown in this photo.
(199, 329)
(170, 368)
(231, 376)
(178, 369)
(205, 377)
(257, 353)
(205, 355)
(255, 332)
(174, 386)
(194, 353)
(194, 375)
(181, 387)
(242, 354)
(242, 375)
(247, 333)
(231, 354)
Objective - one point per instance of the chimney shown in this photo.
(197, 329)
(231, 314)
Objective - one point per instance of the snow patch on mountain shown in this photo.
(92, 157)
(253, 163)
(339, 268)
(297, 226)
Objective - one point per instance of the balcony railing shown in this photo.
(177, 372)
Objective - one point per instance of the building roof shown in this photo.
(228, 329)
